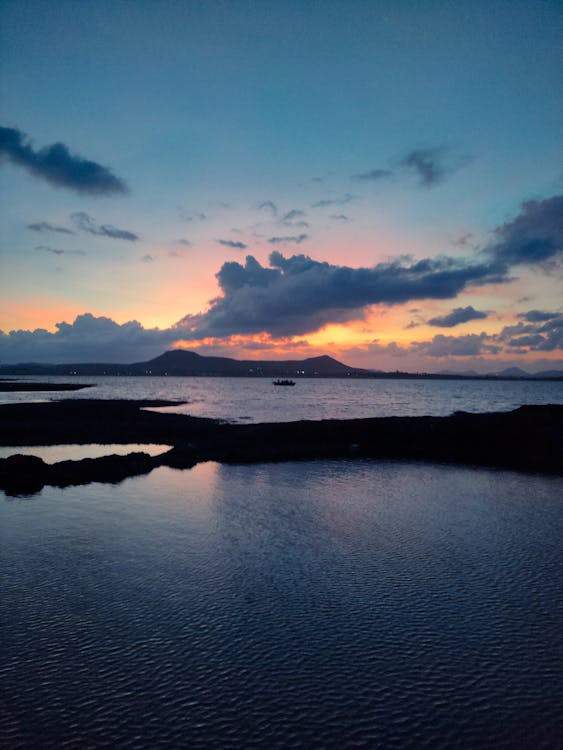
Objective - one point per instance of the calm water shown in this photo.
(312, 605)
(257, 400)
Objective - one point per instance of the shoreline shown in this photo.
(17, 386)
(529, 438)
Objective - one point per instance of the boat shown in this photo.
(284, 381)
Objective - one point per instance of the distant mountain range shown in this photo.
(186, 363)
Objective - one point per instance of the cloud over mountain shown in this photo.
(58, 166)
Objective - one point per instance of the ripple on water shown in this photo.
(327, 604)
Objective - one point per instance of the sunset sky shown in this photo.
(381, 181)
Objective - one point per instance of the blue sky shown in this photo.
(353, 133)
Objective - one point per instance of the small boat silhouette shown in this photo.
(283, 382)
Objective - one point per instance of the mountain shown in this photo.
(513, 372)
(185, 363)
(181, 362)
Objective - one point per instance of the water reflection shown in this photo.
(51, 454)
(323, 604)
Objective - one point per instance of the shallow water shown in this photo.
(326, 604)
(257, 400)
(53, 453)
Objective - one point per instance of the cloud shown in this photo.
(374, 175)
(298, 295)
(535, 236)
(539, 335)
(341, 217)
(185, 243)
(457, 316)
(290, 216)
(538, 316)
(148, 258)
(295, 239)
(233, 244)
(457, 346)
(57, 166)
(58, 250)
(87, 339)
(268, 207)
(427, 164)
(463, 240)
(346, 198)
(197, 216)
(45, 226)
(87, 224)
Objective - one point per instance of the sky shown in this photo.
(381, 181)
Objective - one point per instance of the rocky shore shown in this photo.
(527, 439)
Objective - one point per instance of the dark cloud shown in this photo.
(294, 239)
(299, 295)
(58, 250)
(58, 166)
(535, 236)
(148, 258)
(457, 316)
(233, 244)
(374, 175)
(87, 339)
(45, 226)
(538, 316)
(346, 198)
(341, 217)
(87, 224)
(539, 335)
(185, 243)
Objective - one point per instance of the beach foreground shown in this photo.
(528, 439)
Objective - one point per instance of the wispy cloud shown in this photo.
(431, 166)
(268, 207)
(58, 250)
(57, 166)
(192, 215)
(293, 239)
(86, 223)
(373, 175)
(234, 244)
(344, 200)
(427, 164)
(45, 226)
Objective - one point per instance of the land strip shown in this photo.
(527, 439)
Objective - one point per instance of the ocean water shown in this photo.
(326, 604)
(257, 400)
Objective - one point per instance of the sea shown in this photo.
(315, 604)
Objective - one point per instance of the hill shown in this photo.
(185, 363)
